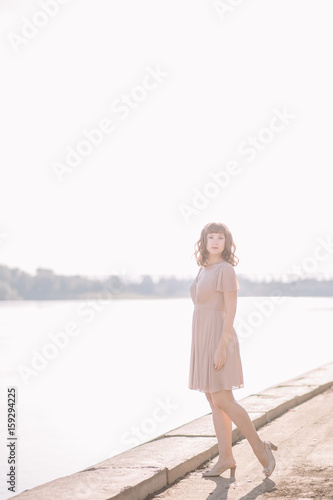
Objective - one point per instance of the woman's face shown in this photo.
(215, 243)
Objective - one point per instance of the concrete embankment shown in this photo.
(150, 467)
(304, 461)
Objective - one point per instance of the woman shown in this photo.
(215, 364)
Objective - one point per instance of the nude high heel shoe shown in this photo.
(231, 465)
(271, 460)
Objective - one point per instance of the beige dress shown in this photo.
(207, 323)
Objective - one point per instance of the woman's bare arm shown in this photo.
(230, 300)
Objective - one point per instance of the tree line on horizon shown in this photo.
(16, 284)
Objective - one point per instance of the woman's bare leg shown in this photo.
(224, 400)
(223, 431)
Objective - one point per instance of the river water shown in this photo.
(95, 378)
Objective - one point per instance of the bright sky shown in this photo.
(186, 94)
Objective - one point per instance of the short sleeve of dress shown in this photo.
(226, 279)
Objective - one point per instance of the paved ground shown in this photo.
(304, 461)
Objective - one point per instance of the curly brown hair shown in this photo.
(228, 254)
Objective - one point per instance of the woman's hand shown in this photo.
(220, 358)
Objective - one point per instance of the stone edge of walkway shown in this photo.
(142, 471)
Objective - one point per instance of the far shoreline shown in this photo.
(131, 296)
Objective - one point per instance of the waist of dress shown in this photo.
(206, 306)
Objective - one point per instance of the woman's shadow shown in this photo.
(224, 484)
